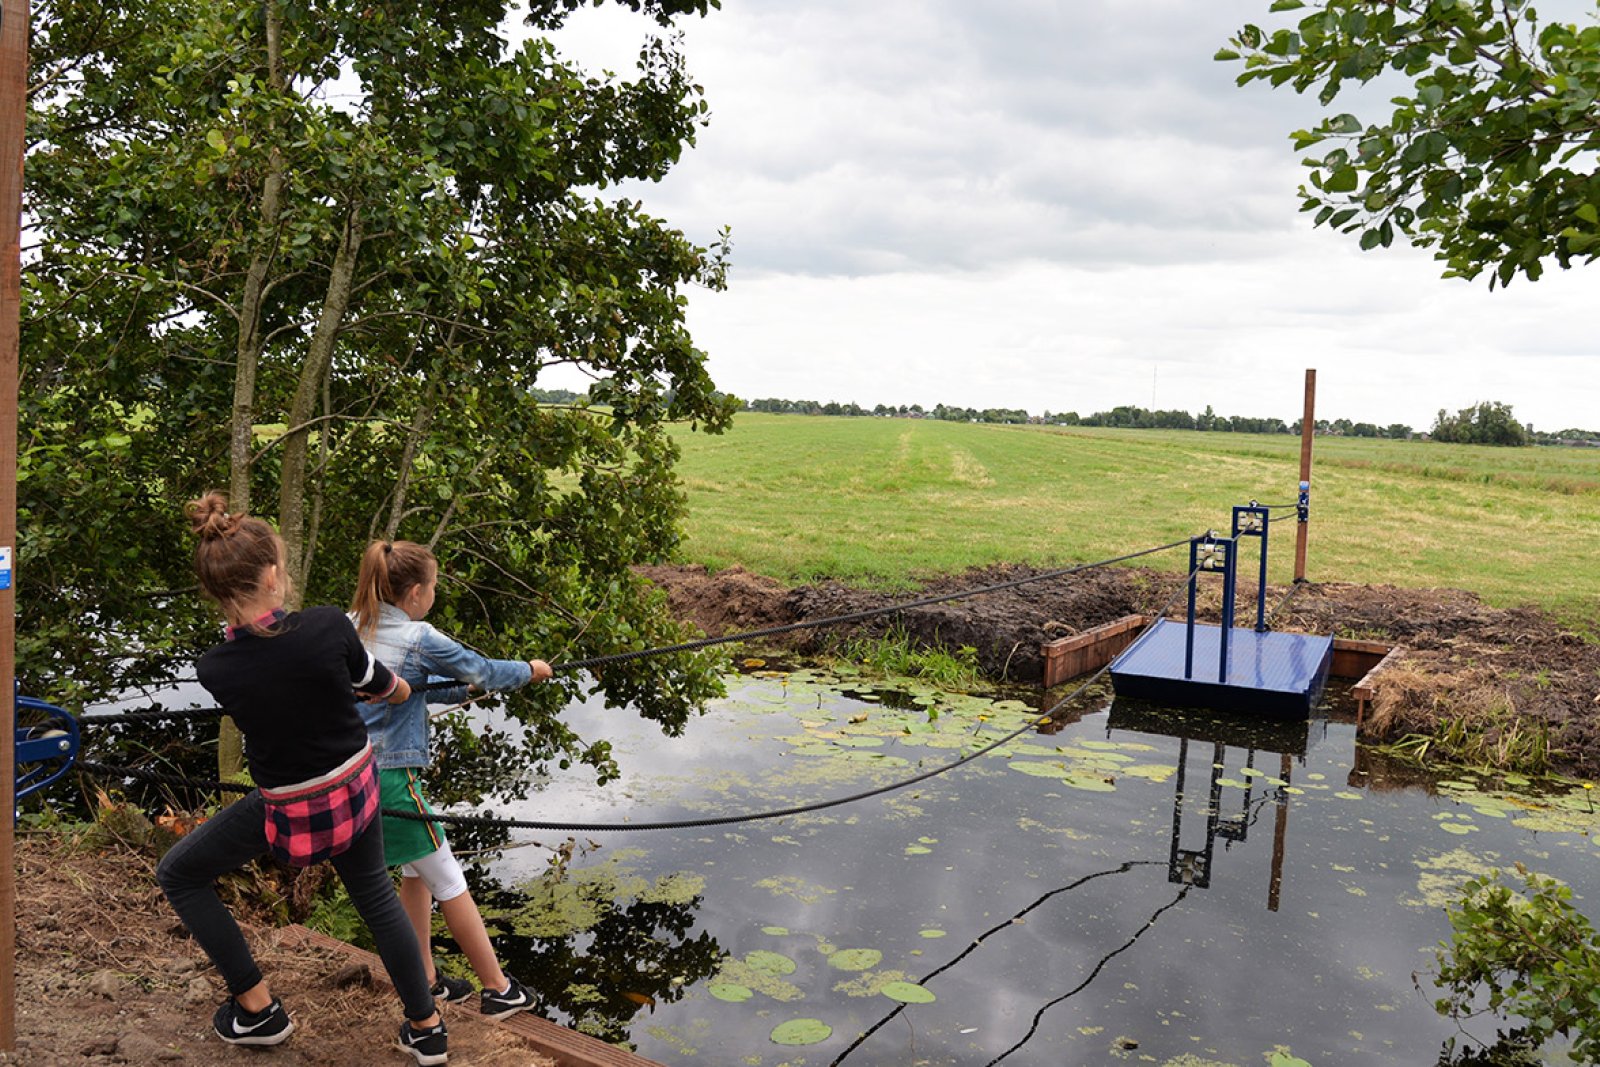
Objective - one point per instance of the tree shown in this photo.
(320, 254)
(1525, 954)
(1486, 423)
(1487, 155)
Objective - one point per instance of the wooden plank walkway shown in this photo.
(568, 1048)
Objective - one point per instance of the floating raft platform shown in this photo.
(1268, 673)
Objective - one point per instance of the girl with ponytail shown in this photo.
(289, 680)
(394, 593)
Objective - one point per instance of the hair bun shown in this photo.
(209, 516)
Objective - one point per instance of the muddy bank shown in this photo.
(1541, 669)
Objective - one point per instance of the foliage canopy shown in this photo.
(1486, 423)
(1530, 955)
(320, 254)
(1488, 155)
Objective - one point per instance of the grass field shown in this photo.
(878, 501)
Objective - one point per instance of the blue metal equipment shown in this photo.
(1254, 521)
(45, 749)
(1278, 674)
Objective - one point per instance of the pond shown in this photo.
(1140, 885)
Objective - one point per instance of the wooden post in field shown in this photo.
(13, 95)
(1308, 424)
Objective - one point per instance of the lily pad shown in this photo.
(855, 959)
(775, 931)
(770, 962)
(729, 992)
(908, 993)
(801, 1032)
(1037, 769)
(932, 933)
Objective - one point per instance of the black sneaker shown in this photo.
(498, 1005)
(428, 1045)
(269, 1026)
(448, 990)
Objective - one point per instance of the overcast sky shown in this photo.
(1059, 205)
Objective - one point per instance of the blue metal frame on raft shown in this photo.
(1259, 671)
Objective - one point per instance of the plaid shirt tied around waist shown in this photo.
(316, 820)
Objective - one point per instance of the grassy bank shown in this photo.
(877, 500)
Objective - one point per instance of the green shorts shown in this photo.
(405, 840)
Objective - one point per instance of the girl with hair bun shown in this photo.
(289, 680)
(394, 592)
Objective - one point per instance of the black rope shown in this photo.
(1093, 974)
(150, 716)
(1005, 924)
(686, 646)
(832, 620)
(677, 824)
(1298, 584)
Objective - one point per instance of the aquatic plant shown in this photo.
(1454, 720)
(895, 653)
(1536, 957)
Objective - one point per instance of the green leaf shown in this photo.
(801, 1032)
(908, 993)
(855, 959)
(1342, 180)
(770, 962)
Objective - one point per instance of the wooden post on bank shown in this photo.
(1308, 429)
(13, 98)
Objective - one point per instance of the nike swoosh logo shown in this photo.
(242, 1030)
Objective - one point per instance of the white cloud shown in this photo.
(1046, 204)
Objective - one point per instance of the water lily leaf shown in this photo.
(932, 933)
(908, 993)
(770, 962)
(1037, 769)
(801, 1032)
(1091, 785)
(855, 959)
(1155, 772)
(733, 994)
(775, 931)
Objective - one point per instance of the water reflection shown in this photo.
(641, 953)
(1286, 740)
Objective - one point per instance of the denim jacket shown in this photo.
(419, 653)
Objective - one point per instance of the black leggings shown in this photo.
(235, 836)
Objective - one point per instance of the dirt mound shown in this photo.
(106, 975)
(1545, 671)
(1006, 626)
(730, 601)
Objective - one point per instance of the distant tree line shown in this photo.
(1127, 416)
(1486, 423)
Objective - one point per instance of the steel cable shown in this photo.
(672, 824)
(832, 620)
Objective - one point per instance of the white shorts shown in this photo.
(440, 871)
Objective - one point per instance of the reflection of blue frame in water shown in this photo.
(1192, 866)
